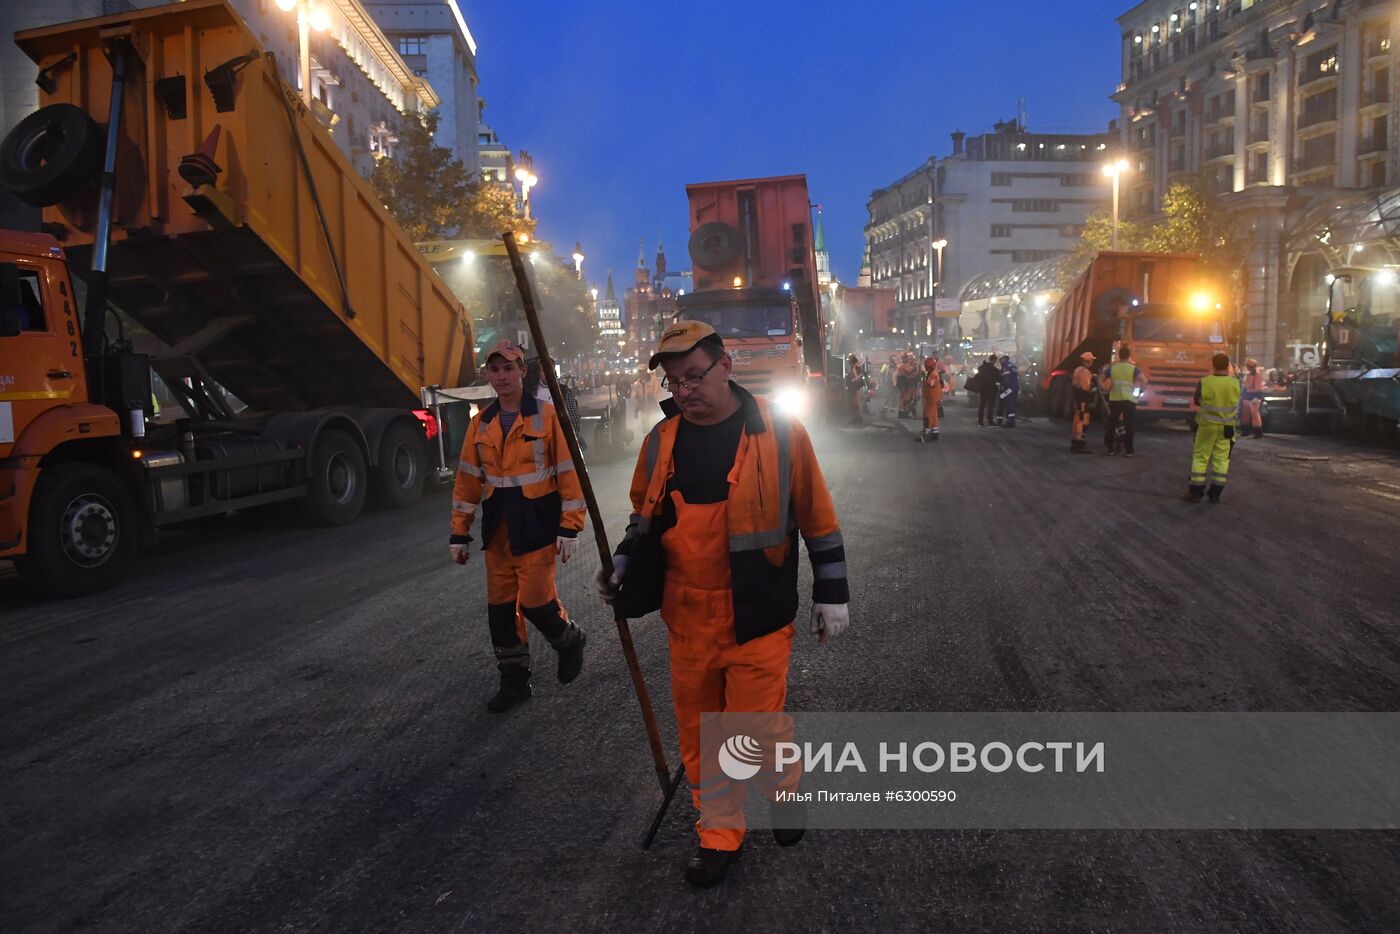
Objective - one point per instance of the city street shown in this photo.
(271, 727)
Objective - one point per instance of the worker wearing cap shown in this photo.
(1217, 399)
(1083, 387)
(515, 468)
(722, 488)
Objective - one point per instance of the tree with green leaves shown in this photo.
(434, 197)
(1193, 220)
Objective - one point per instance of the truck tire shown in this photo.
(50, 154)
(337, 486)
(402, 469)
(82, 531)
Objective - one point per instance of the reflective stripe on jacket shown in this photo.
(776, 492)
(1218, 397)
(526, 478)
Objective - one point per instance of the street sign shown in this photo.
(947, 307)
(523, 339)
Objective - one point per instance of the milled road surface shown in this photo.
(277, 728)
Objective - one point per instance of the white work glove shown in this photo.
(566, 547)
(607, 586)
(460, 553)
(830, 619)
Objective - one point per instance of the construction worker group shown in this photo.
(722, 490)
(1220, 398)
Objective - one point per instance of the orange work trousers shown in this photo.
(521, 587)
(1081, 420)
(711, 673)
(933, 397)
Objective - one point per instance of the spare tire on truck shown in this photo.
(51, 154)
(82, 531)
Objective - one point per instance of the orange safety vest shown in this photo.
(776, 490)
(526, 478)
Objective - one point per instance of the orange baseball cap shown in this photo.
(508, 349)
(679, 338)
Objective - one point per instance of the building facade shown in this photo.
(1289, 109)
(1002, 198)
(609, 316)
(433, 39)
(651, 301)
(493, 157)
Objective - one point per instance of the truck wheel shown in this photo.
(402, 468)
(82, 531)
(50, 154)
(336, 488)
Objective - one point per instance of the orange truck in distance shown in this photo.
(1157, 304)
(297, 327)
(755, 281)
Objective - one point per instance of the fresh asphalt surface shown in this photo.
(278, 728)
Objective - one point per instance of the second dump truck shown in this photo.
(1160, 306)
(297, 325)
(755, 280)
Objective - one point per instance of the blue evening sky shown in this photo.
(622, 104)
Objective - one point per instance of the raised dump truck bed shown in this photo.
(241, 272)
(234, 230)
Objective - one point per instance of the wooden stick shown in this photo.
(600, 533)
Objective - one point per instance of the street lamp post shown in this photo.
(308, 18)
(1113, 170)
(578, 260)
(527, 180)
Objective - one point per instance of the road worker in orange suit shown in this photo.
(722, 488)
(515, 468)
(1082, 385)
(932, 388)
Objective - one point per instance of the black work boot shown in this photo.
(514, 688)
(789, 821)
(709, 867)
(570, 648)
(1193, 493)
(1213, 494)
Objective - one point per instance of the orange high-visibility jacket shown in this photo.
(525, 478)
(776, 491)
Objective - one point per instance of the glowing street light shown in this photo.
(1113, 170)
(527, 180)
(308, 18)
(578, 260)
(938, 246)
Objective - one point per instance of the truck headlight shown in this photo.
(791, 400)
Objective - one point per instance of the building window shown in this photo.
(1073, 181)
(1035, 205)
(1071, 230)
(413, 45)
(1001, 230)
(1001, 179)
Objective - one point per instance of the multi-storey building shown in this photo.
(1287, 106)
(1002, 198)
(651, 301)
(493, 157)
(435, 43)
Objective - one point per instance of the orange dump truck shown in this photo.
(1157, 304)
(296, 325)
(755, 281)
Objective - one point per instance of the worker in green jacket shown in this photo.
(1217, 401)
